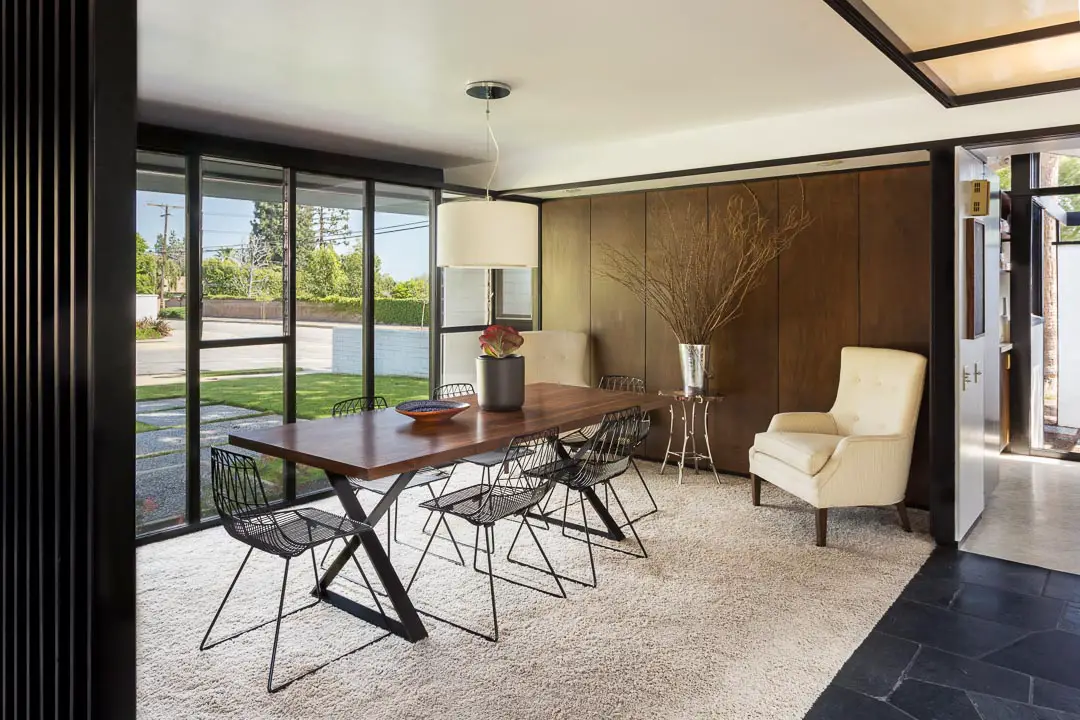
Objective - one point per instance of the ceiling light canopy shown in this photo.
(487, 233)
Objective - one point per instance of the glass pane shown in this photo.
(1013, 66)
(241, 389)
(514, 299)
(402, 296)
(465, 293)
(923, 24)
(1064, 434)
(330, 272)
(459, 353)
(243, 250)
(160, 467)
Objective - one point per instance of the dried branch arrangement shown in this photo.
(697, 277)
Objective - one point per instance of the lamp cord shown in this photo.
(491, 134)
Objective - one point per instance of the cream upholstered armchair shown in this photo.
(556, 356)
(858, 453)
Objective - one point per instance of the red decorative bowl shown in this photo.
(431, 411)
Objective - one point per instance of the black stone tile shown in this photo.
(1009, 608)
(837, 702)
(924, 701)
(1053, 655)
(944, 668)
(875, 668)
(1063, 586)
(945, 630)
(930, 590)
(1058, 697)
(991, 708)
(1070, 618)
(946, 563)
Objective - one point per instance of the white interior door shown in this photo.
(971, 357)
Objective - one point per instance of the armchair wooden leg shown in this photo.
(901, 510)
(822, 525)
(755, 489)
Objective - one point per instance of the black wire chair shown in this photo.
(575, 439)
(242, 504)
(485, 504)
(487, 460)
(607, 455)
(425, 477)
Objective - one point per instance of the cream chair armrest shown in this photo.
(803, 422)
(866, 470)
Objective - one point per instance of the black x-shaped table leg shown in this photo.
(612, 530)
(409, 626)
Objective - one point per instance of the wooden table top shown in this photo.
(377, 444)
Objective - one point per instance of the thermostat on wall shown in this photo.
(979, 201)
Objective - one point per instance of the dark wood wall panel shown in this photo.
(744, 353)
(566, 257)
(819, 291)
(894, 295)
(667, 212)
(618, 317)
(859, 276)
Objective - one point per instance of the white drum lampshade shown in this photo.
(487, 234)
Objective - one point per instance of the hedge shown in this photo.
(388, 311)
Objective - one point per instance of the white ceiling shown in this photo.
(386, 78)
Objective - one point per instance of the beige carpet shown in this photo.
(734, 614)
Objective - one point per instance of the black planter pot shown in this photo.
(500, 383)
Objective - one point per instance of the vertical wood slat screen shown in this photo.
(67, 359)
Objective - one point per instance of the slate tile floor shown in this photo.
(970, 638)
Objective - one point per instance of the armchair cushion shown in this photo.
(803, 422)
(803, 451)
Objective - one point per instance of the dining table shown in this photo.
(380, 444)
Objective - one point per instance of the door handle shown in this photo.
(966, 379)
(978, 373)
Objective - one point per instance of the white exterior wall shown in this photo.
(146, 306)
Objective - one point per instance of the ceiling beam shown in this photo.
(998, 41)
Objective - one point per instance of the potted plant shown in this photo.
(697, 272)
(500, 374)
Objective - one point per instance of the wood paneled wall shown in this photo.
(859, 276)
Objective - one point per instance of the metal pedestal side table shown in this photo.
(688, 423)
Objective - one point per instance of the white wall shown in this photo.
(398, 351)
(146, 306)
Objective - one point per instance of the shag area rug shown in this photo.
(734, 614)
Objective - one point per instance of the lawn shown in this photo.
(141, 427)
(315, 393)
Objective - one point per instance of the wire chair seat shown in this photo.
(423, 477)
(290, 533)
(483, 504)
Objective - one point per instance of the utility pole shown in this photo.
(165, 209)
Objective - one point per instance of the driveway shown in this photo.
(165, 357)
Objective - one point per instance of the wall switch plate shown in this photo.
(979, 198)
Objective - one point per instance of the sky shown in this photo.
(227, 222)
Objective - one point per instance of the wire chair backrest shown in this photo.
(609, 450)
(623, 383)
(364, 403)
(628, 383)
(525, 453)
(453, 390)
(237, 487)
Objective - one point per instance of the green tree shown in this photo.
(223, 277)
(169, 254)
(145, 268)
(413, 289)
(329, 226)
(268, 229)
(1069, 174)
(352, 267)
(322, 274)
